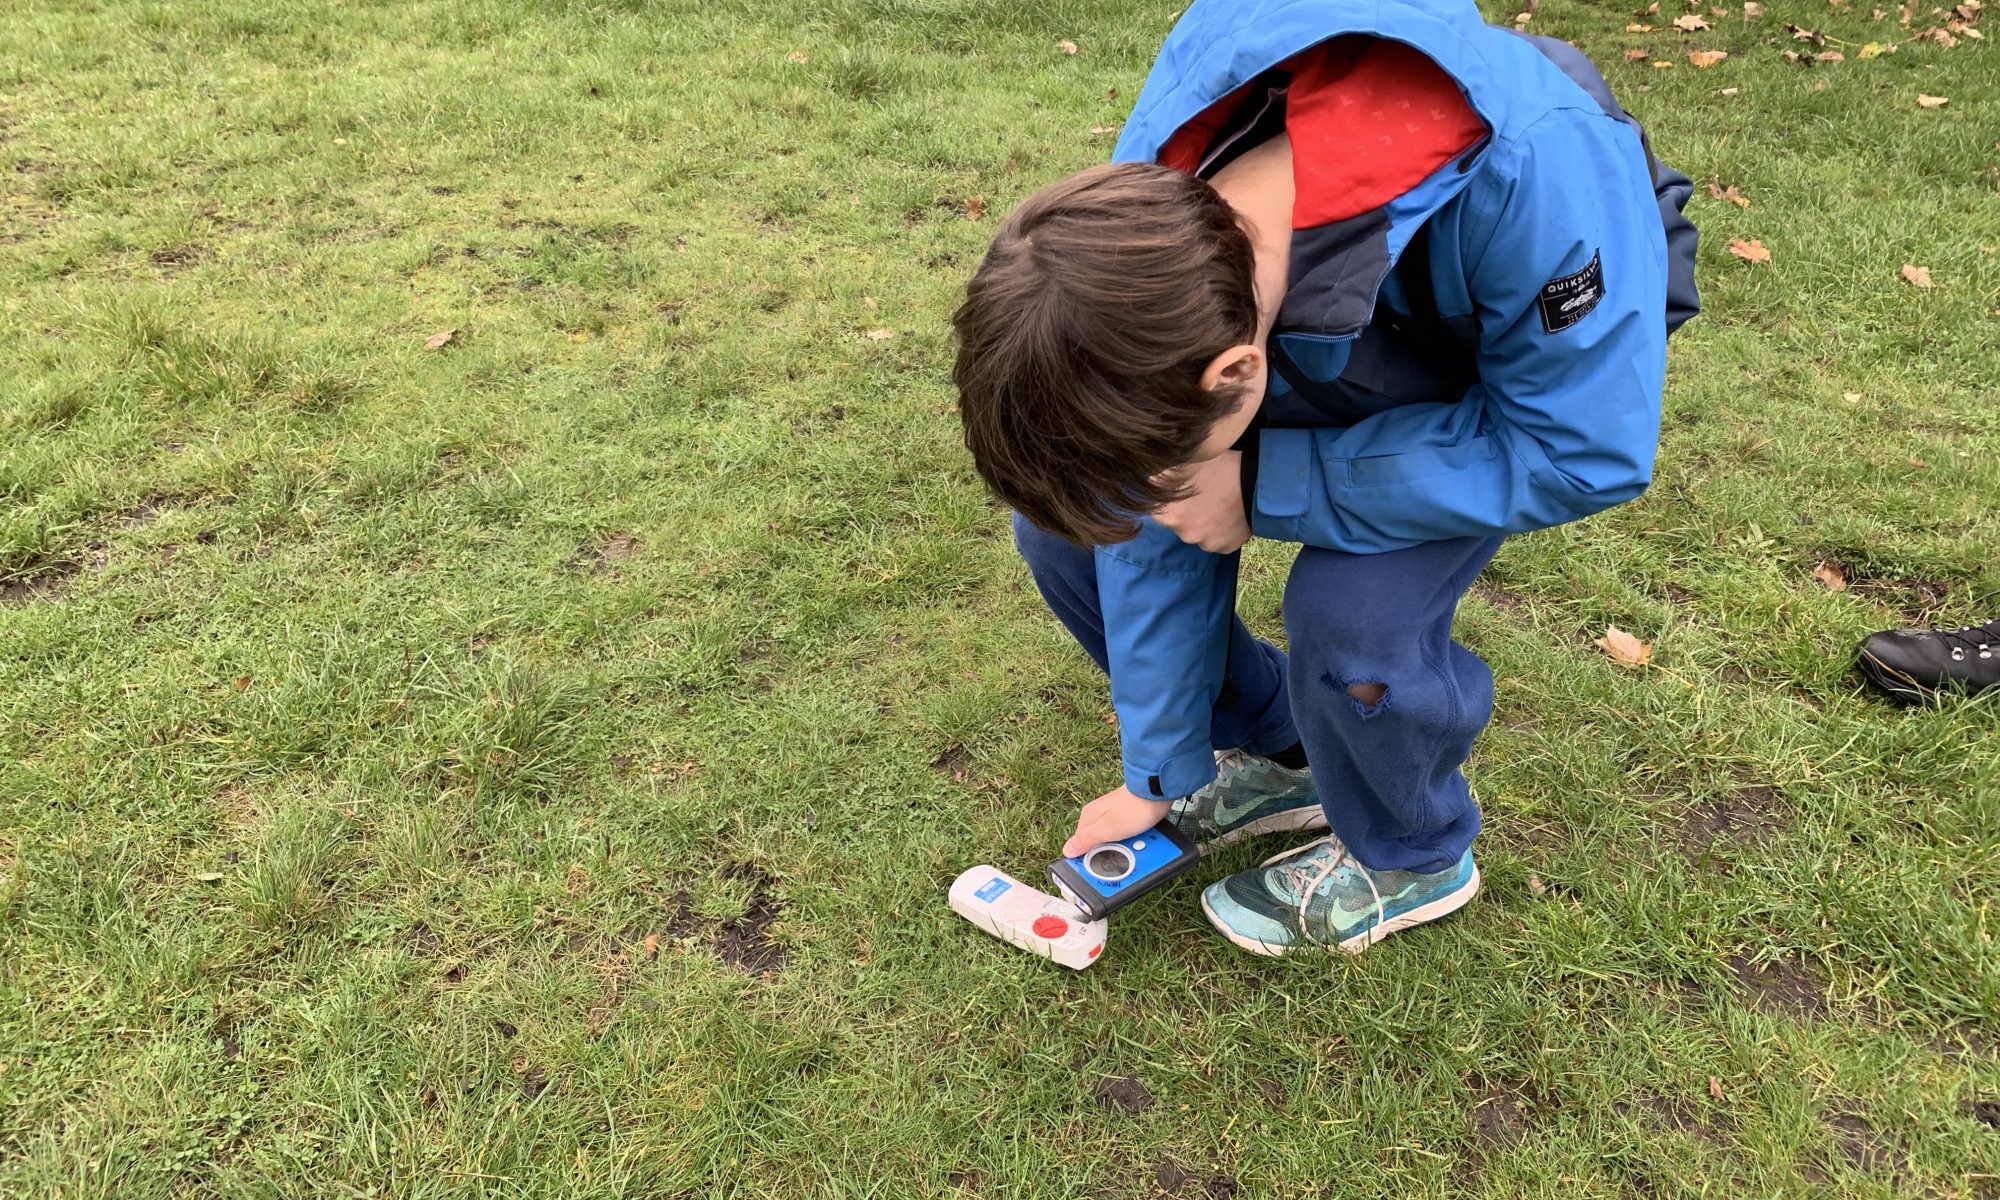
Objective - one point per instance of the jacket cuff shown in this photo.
(1250, 447)
(1282, 499)
(1181, 775)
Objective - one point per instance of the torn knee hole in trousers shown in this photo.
(1370, 696)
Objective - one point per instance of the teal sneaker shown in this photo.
(1249, 796)
(1318, 895)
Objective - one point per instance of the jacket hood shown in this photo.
(1219, 45)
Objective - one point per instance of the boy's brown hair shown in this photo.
(1082, 341)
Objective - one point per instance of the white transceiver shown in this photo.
(1033, 920)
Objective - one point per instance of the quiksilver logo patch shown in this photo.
(1569, 299)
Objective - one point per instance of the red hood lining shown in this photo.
(1369, 120)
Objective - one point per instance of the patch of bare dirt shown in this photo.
(956, 761)
(1918, 598)
(745, 942)
(1122, 1093)
(1746, 816)
(43, 581)
(601, 555)
(1173, 1179)
(1866, 1148)
(1783, 987)
(179, 256)
(1503, 1113)
(1671, 1114)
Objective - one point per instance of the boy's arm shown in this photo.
(1565, 417)
(1166, 607)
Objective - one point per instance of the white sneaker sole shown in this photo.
(1286, 821)
(1444, 905)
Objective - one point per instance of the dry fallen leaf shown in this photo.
(1098, 130)
(1715, 1087)
(796, 56)
(1917, 462)
(439, 341)
(1753, 11)
(1706, 58)
(1933, 101)
(1728, 193)
(242, 682)
(1638, 27)
(1829, 56)
(1851, 397)
(879, 335)
(1751, 250)
(975, 208)
(1638, 55)
(1829, 573)
(1536, 885)
(870, 303)
(1067, 46)
(1690, 23)
(1874, 50)
(1939, 36)
(1920, 276)
(1728, 91)
(652, 944)
(1622, 647)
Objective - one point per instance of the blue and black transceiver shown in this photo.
(1113, 875)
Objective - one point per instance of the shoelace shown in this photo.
(1334, 861)
(1962, 641)
(1225, 759)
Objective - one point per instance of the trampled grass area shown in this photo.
(532, 767)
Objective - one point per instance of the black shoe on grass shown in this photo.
(1916, 665)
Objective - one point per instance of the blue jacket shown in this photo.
(1481, 355)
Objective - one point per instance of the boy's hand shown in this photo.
(1212, 515)
(1118, 813)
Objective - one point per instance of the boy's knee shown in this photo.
(1368, 695)
(1320, 600)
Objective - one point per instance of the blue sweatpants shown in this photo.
(1389, 775)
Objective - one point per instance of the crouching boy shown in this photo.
(1380, 280)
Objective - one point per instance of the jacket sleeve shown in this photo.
(1565, 417)
(1166, 607)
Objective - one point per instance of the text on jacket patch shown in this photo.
(1568, 299)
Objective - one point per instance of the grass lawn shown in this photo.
(533, 766)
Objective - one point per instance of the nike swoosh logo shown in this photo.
(1228, 814)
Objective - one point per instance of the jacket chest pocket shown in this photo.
(1337, 383)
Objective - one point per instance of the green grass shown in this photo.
(533, 767)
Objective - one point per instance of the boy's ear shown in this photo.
(1233, 367)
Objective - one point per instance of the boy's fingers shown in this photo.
(1089, 832)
